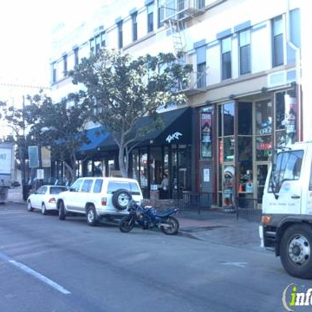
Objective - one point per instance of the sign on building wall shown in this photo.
(46, 157)
(205, 121)
(33, 156)
(5, 160)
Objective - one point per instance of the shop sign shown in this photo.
(174, 136)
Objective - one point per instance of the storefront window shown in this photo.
(156, 165)
(245, 161)
(244, 147)
(228, 149)
(286, 118)
(143, 180)
(226, 132)
(228, 119)
(264, 129)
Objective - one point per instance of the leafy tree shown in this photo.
(59, 126)
(122, 90)
(16, 120)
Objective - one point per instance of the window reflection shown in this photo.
(228, 119)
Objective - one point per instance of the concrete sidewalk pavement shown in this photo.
(218, 227)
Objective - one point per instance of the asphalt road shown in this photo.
(52, 265)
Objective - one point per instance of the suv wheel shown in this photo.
(61, 209)
(91, 215)
(121, 199)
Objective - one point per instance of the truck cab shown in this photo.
(286, 223)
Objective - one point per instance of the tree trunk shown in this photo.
(122, 165)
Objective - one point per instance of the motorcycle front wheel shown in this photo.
(171, 227)
(126, 224)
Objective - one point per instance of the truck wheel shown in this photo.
(296, 251)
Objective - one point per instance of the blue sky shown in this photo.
(25, 32)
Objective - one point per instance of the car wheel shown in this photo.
(61, 210)
(296, 251)
(121, 199)
(44, 209)
(29, 206)
(92, 218)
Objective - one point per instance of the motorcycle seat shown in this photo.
(166, 212)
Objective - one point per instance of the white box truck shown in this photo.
(6, 161)
(286, 223)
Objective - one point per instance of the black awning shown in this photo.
(177, 130)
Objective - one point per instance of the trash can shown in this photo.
(3, 194)
(26, 191)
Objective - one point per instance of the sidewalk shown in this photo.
(219, 227)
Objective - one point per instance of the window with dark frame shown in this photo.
(76, 56)
(226, 58)
(150, 18)
(120, 34)
(54, 72)
(200, 4)
(65, 65)
(134, 26)
(201, 75)
(161, 14)
(92, 45)
(278, 42)
(244, 52)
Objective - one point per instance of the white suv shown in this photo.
(98, 197)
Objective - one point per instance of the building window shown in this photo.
(244, 52)
(200, 4)
(150, 17)
(54, 72)
(76, 56)
(92, 46)
(264, 130)
(285, 118)
(120, 35)
(161, 14)
(103, 39)
(201, 75)
(97, 44)
(278, 45)
(226, 58)
(134, 26)
(65, 65)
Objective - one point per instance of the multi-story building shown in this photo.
(245, 96)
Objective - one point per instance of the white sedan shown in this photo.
(45, 198)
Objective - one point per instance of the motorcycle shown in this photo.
(148, 218)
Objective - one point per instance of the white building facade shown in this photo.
(248, 92)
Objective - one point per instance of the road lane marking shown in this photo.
(40, 277)
(238, 264)
(34, 273)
